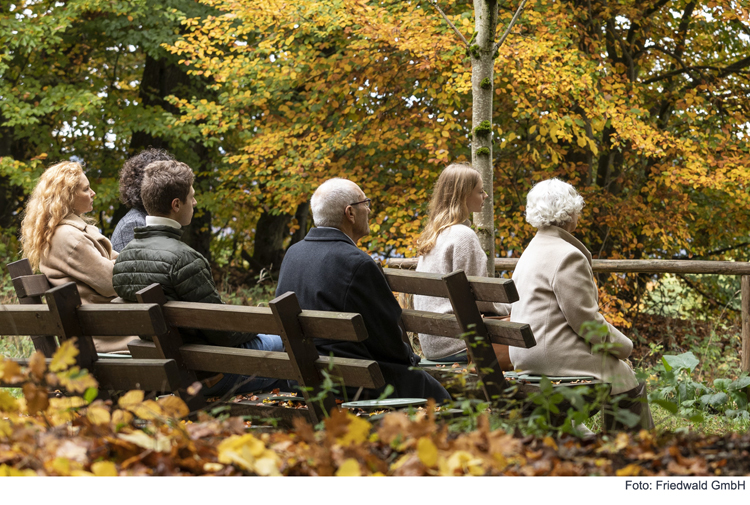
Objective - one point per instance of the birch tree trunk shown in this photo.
(482, 53)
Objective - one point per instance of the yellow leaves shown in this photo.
(7, 402)
(250, 454)
(37, 365)
(462, 462)
(98, 414)
(130, 399)
(158, 443)
(9, 471)
(357, 431)
(168, 406)
(632, 470)
(427, 452)
(121, 418)
(173, 407)
(37, 398)
(148, 410)
(10, 371)
(76, 380)
(104, 469)
(349, 468)
(64, 356)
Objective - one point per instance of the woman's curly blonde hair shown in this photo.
(448, 204)
(51, 200)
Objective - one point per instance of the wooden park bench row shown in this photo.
(297, 328)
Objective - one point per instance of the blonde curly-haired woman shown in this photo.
(448, 244)
(64, 245)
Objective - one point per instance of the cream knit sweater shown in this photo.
(456, 248)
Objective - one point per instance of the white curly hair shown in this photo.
(552, 203)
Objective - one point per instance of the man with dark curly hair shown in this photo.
(131, 177)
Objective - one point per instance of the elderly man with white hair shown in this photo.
(557, 294)
(327, 271)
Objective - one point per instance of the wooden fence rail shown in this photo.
(654, 267)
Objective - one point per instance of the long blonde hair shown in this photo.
(51, 200)
(448, 204)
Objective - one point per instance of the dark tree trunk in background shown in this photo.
(303, 211)
(270, 233)
(162, 78)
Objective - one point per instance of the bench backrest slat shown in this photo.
(485, 289)
(31, 285)
(121, 320)
(212, 316)
(28, 320)
(419, 283)
(488, 289)
(315, 323)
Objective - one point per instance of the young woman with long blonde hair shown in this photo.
(64, 245)
(448, 244)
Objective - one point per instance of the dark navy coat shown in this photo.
(328, 272)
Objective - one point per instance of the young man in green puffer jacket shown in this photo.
(157, 254)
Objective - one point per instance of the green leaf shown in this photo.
(740, 383)
(722, 384)
(684, 361)
(90, 394)
(714, 400)
(666, 405)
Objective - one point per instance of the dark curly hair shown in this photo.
(131, 175)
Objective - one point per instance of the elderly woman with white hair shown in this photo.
(557, 294)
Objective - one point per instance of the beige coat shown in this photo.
(557, 294)
(79, 253)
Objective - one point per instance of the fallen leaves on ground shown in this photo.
(137, 435)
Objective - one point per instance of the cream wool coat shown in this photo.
(456, 248)
(79, 253)
(557, 294)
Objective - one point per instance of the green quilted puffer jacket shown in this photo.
(156, 254)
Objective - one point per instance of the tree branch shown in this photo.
(510, 25)
(718, 303)
(678, 72)
(460, 35)
(712, 253)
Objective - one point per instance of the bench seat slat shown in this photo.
(127, 373)
(145, 374)
(276, 365)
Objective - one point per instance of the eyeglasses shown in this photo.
(366, 201)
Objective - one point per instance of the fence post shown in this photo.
(745, 294)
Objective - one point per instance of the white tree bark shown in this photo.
(482, 53)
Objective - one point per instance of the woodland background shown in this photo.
(642, 105)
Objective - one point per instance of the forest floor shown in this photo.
(137, 436)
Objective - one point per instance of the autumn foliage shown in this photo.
(134, 435)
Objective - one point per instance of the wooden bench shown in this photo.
(300, 362)
(64, 317)
(464, 292)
